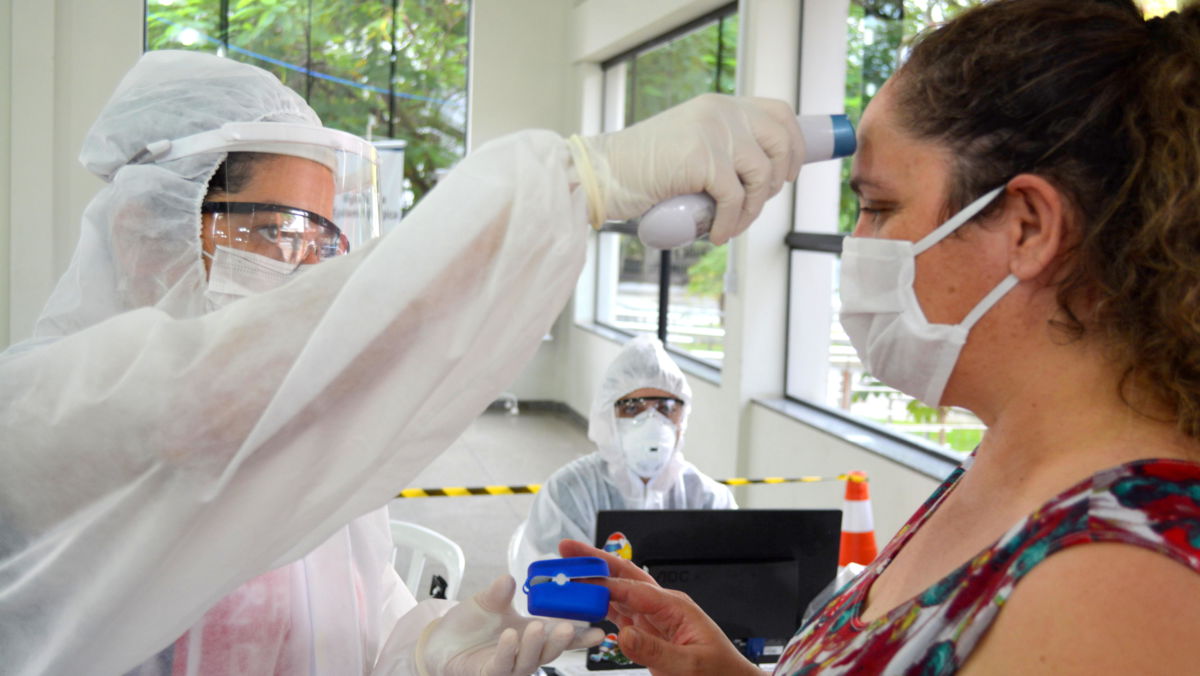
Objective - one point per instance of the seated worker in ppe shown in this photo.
(203, 433)
(638, 419)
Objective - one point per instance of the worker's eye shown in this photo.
(669, 407)
(267, 231)
(628, 409)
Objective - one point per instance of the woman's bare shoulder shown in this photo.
(1097, 608)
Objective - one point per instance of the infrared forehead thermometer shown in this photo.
(686, 218)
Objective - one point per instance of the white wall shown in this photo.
(604, 28)
(518, 68)
(63, 61)
(6, 61)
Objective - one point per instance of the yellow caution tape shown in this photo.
(464, 491)
(527, 489)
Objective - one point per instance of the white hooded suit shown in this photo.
(567, 503)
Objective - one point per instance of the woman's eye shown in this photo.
(871, 215)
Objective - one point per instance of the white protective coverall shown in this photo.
(567, 503)
(157, 457)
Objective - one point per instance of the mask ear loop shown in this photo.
(956, 221)
(988, 301)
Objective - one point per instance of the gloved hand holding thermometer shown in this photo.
(684, 219)
(737, 150)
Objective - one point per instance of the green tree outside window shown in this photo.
(385, 69)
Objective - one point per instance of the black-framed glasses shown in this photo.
(287, 234)
(631, 407)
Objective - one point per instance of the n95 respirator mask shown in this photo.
(647, 442)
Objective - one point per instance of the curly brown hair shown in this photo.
(1106, 106)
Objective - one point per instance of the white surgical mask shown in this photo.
(235, 273)
(647, 441)
(884, 321)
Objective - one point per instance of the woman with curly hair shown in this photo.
(1028, 248)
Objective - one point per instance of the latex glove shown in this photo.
(739, 150)
(486, 637)
(662, 629)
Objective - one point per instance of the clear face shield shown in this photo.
(294, 194)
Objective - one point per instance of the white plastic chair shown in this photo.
(514, 550)
(425, 544)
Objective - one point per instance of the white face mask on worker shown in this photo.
(235, 274)
(647, 441)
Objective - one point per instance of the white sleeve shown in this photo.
(153, 464)
(721, 497)
(561, 509)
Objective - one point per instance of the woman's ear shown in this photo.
(1038, 216)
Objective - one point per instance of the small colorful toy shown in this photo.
(552, 593)
(618, 545)
(609, 652)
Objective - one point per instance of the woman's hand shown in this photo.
(662, 629)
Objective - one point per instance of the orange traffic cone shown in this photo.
(858, 528)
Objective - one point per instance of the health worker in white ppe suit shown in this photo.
(637, 421)
(201, 437)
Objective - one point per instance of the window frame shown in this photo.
(629, 227)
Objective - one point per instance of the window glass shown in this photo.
(381, 70)
(630, 276)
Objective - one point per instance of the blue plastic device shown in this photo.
(553, 594)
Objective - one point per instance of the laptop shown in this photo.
(754, 571)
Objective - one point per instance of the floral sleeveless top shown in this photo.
(1149, 503)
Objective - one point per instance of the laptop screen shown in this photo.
(753, 571)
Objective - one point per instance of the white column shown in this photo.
(31, 207)
(6, 129)
(822, 90)
(518, 68)
(65, 57)
(768, 66)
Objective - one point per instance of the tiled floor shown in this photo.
(498, 448)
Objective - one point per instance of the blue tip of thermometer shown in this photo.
(686, 218)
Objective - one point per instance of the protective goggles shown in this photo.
(353, 164)
(631, 407)
(283, 233)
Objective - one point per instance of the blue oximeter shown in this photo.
(553, 594)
